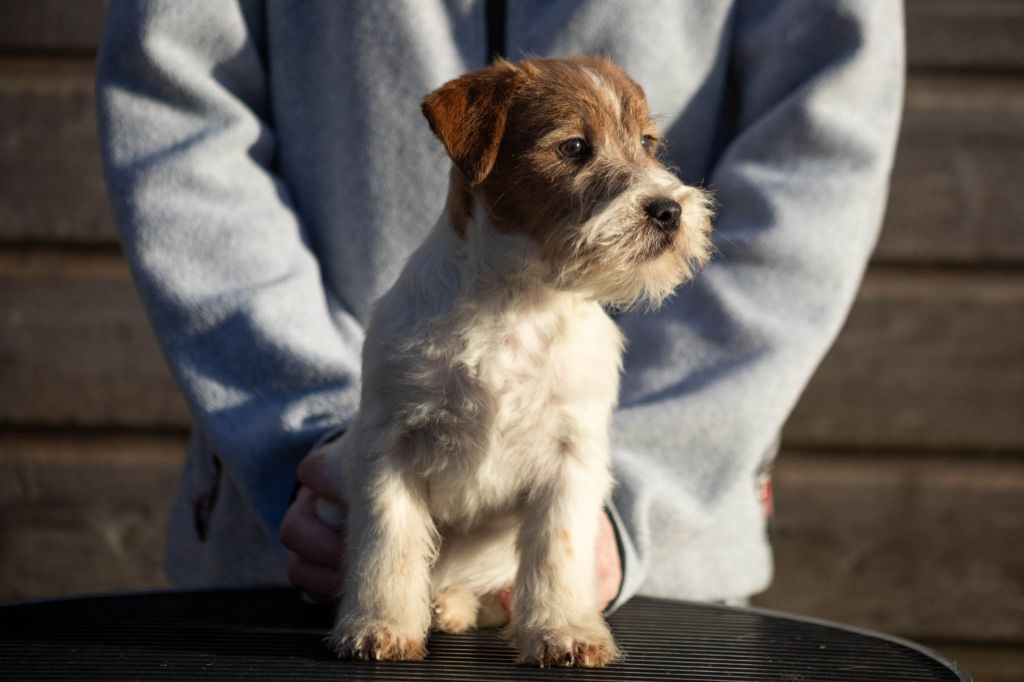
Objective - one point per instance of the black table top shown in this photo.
(271, 634)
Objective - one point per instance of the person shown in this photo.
(270, 173)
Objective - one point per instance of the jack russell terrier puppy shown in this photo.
(480, 454)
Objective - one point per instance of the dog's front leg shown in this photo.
(385, 608)
(556, 621)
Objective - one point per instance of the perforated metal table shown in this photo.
(271, 634)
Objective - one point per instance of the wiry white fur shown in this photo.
(484, 424)
(480, 454)
(610, 96)
(607, 259)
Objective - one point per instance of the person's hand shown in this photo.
(608, 564)
(315, 548)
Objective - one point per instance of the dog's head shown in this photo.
(564, 152)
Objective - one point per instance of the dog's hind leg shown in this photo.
(492, 613)
(455, 609)
(472, 568)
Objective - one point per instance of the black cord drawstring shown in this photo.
(496, 11)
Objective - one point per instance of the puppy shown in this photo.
(480, 455)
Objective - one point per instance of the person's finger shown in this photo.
(305, 534)
(317, 472)
(505, 597)
(330, 513)
(609, 564)
(319, 582)
(608, 569)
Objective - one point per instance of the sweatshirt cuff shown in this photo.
(632, 568)
(326, 438)
(330, 435)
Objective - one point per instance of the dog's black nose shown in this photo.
(665, 214)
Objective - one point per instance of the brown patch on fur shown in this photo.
(502, 126)
(459, 205)
(468, 115)
(593, 655)
(566, 447)
(557, 649)
(535, 190)
(563, 537)
(379, 643)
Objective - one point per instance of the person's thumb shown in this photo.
(318, 472)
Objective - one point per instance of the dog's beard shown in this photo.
(619, 259)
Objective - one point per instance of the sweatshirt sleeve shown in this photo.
(800, 187)
(267, 359)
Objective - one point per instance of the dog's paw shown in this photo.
(492, 613)
(587, 647)
(376, 641)
(455, 610)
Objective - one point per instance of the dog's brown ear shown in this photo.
(468, 115)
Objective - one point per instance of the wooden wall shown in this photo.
(900, 492)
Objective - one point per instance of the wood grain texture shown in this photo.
(926, 360)
(986, 663)
(53, 187)
(922, 546)
(965, 34)
(84, 513)
(954, 199)
(950, 34)
(956, 183)
(917, 545)
(51, 25)
(76, 347)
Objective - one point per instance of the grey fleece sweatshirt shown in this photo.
(270, 173)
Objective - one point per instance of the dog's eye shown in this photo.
(576, 149)
(648, 142)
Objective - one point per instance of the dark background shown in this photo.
(900, 490)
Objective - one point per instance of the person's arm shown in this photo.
(801, 187)
(267, 360)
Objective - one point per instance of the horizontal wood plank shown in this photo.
(985, 662)
(76, 348)
(916, 545)
(84, 513)
(965, 34)
(927, 359)
(51, 25)
(921, 546)
(53, 187)
(951, 34)
(955, 186)
(954, 190)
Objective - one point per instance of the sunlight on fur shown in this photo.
(480, 454)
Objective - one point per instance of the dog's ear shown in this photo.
(468, 115)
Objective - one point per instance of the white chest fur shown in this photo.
(489, 391)
(543, 400)
(480, 454)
